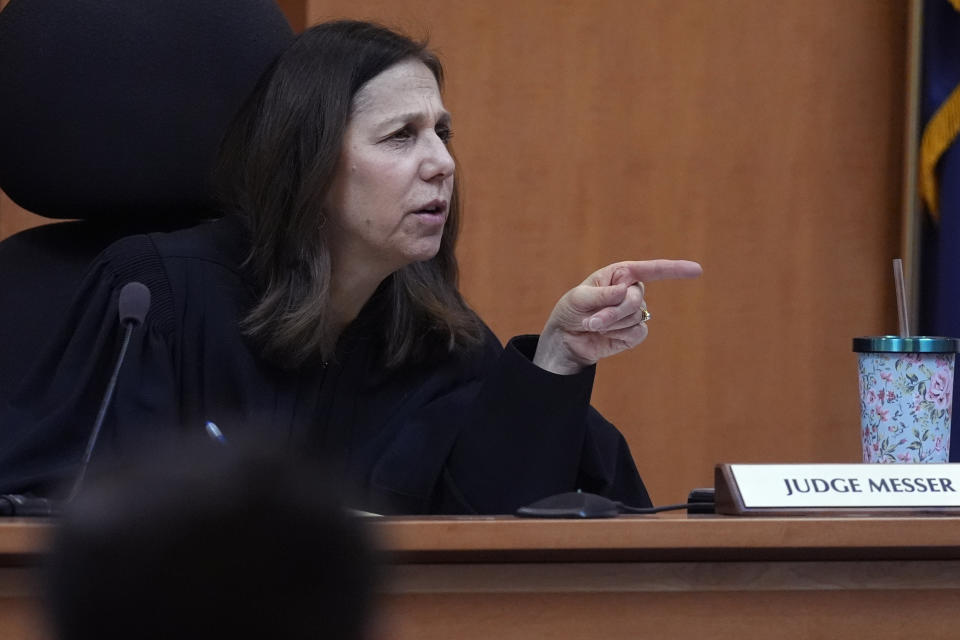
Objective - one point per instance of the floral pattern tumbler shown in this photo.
(906, 397)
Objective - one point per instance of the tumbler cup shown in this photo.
(906, 397)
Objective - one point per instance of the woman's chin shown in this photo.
(423, 253)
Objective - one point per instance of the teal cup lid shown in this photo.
(912, 344)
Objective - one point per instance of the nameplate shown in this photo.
(814, 489)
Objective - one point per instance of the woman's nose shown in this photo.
(437, 162)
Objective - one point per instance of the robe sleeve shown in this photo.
(517, 434)
(45, 425)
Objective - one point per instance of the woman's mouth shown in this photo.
(434, 207)
(434, 211)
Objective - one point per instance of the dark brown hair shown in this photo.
(234, 544)
(278, 160)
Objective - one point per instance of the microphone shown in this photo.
(580, 504)
(133, 306)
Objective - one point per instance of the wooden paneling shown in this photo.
(720, 615)
(663, 537)
(760, 138)
(296, 12)
(14, 218)
(675, 578)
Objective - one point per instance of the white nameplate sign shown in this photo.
(753, 488)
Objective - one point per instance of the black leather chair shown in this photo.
(110, 116)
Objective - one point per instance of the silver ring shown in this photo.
(644, 316)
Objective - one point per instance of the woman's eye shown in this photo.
(401, 135)
(409, 133)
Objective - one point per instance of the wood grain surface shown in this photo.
(768, 594)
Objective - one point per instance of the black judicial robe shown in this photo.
(483, 431)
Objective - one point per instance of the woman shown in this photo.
(322, 311)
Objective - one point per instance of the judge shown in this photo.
(322, 311)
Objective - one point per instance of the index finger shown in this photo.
(648, 270)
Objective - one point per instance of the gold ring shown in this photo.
(644, 315)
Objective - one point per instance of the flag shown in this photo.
(939, 180)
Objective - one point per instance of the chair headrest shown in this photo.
(113, 109)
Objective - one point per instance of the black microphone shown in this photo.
(133, 305)
(580, 504)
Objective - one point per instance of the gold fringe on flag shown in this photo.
(938, 135)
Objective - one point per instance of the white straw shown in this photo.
(902, 315)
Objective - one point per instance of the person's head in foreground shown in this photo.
(211, 546)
